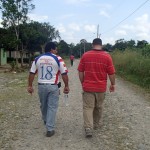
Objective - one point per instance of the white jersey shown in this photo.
(49, 67)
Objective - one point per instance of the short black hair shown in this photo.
(49, 46)
(97, 41)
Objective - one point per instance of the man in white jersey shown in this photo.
(48, 66)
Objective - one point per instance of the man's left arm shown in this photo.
(65, 80)
(63, 70)
(112, 81)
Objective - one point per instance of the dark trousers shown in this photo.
(71, 62)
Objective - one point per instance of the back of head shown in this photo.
(97, 41)
(50, 46)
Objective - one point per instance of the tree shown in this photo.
(120, 44)
(45, 33)
(4, 35)
(108, 47)
(7, 39)
(131, 43)
(63, 48)
(77, 50)
(14, 12)
(142, 44)
(35, 35)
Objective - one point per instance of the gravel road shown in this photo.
(126, 119)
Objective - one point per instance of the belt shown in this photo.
(46, 84)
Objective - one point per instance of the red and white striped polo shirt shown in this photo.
(96, 65)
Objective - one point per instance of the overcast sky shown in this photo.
(79, 19)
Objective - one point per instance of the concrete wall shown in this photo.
(12, 54)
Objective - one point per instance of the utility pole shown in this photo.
(98, 31)
(98, 35)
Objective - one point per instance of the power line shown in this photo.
(117, 6)
(126, 17)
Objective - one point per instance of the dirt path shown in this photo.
(126, 120)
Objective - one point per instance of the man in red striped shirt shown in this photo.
(94, 67)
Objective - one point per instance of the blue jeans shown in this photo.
(49, 97)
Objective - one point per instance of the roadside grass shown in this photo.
(13, 106)
(134, 67)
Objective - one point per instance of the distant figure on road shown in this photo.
(48, 66)
(94, 67)
(71, 59)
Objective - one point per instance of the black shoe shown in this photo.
(50, 133)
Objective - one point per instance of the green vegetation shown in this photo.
(15, 13)
(133, 66)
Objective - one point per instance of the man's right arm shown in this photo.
(31, 77)
(30, 82)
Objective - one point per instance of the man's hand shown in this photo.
(112, 88)
(30, 89)
(66, 90)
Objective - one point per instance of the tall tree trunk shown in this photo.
(17, 56)
(30, 59)
(17, 47)
(21, 55)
